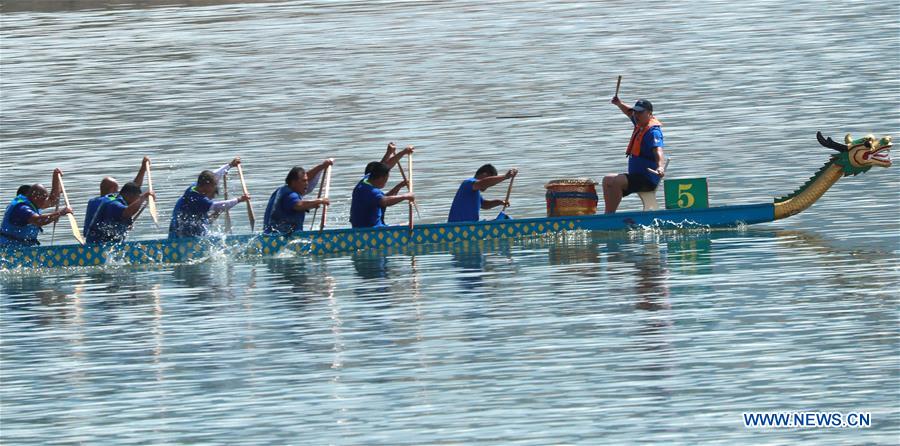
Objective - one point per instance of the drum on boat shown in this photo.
(568, 197)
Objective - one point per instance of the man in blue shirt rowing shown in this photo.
(114, 217)
(369, 201)
(468, 201)
(22, 220)
(109, 186)
(190, 218)
(287, 208)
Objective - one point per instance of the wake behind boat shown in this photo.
(853, 157)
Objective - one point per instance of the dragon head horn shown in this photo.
(830, 143)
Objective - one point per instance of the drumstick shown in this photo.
(618, 82)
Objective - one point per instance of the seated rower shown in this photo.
(468, 201)
(114, 217)
(368, 203)
(390, 159)
(646, 160)
(22, 220)
(287, 209)
(109, 186)
(190, 218)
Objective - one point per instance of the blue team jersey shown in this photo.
(92, 205)
(109, 224)
(365, 208)
(467, 203)
(16, 229)
(191, 215)
(637, 165)
(281, 217)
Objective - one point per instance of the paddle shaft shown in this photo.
(327, 191)
(151, 202)
(618, 82)
(75, 231)
(409, 167)
(312, 224)
(508, 191)
(249, 207)
(403, 174)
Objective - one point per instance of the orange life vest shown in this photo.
(634, 146)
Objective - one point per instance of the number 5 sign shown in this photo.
(687, 193)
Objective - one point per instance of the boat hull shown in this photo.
(391, 239)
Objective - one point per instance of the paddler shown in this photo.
(22, 220)
(646, 159)
(390, 159)
(109, 186)
(113, 218)
(369, 201)
(190, 218)
(468, 200)
(287, 208)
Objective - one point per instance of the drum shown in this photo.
(576, 196)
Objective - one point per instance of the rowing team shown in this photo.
(110, 216)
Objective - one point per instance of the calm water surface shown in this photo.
(586, 338)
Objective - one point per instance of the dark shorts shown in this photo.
(638, 183)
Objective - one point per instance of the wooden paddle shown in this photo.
(409, 167)
(403, 174)
(151, 202)
(249, 207)
(312, 224)
(75, 231)
(227, 212)
(618, 82)
(327, 191)
(502, 215)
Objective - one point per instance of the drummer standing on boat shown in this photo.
(646, 159)
(287, 209)
(109, 186)
(190, 218)
(468, 201)
(23, 220)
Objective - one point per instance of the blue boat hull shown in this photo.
(395, 238)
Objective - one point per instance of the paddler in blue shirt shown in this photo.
(109, 186)
(369, 201)
(22, 220)
(390, 159)
(190, 218)
(287, 209)
(646, 160)
(468, 201)
(113, 218)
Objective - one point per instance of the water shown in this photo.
(647, 336)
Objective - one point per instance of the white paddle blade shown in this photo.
(151, 205)
(75, 231)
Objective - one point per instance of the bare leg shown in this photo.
(613, 188)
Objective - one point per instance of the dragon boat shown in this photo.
(853, 157)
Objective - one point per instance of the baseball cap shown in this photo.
(641, 105)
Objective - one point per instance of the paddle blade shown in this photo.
(151, 205)
(503, 216)
(75, 231)
(251, 217)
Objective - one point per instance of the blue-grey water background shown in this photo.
(638, 337)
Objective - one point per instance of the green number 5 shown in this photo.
(685, 198)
